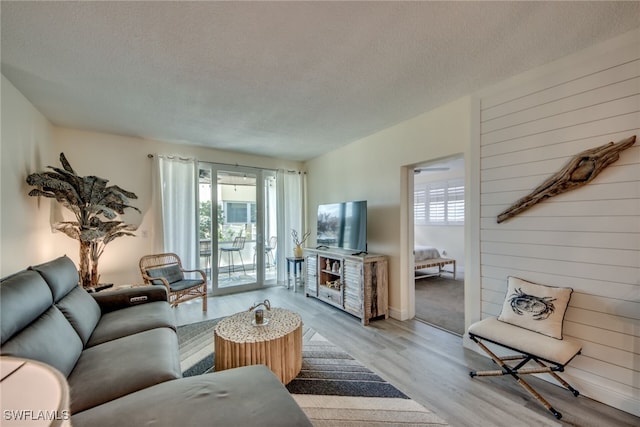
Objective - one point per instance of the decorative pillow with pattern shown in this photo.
(538, 308)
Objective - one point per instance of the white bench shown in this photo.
(436, 262)
(551, 355)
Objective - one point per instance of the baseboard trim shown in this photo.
(401, 315)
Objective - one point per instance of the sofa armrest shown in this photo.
(128, 297)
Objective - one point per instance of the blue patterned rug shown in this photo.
(328, 370)
(333, 388)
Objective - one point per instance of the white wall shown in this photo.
(26, 147)
(30, 144)
(587, 239)
(376, 169)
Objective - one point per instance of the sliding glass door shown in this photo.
(237, 220)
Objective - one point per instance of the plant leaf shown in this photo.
(92, 234)
(36, 192)
(104, 210)
(128, 194)
(113, 236)
(93, 188)
(71, 229)
(65, 164)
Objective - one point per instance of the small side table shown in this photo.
(297, 266)
(277, 343)
(33, 394)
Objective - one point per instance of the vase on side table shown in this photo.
(298, 252)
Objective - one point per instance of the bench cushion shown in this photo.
(526, 341)
(535, 307)
(181, 285)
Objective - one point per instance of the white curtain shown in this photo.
(175, 196)
(290, 216)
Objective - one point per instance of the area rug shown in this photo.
(196, 347)
(332, 388)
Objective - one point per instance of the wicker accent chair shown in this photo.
(166, 269)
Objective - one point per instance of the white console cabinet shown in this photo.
(357, 284)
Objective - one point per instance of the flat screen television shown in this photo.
(343, 225)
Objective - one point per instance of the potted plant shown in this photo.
(96, 207)
(297, 250)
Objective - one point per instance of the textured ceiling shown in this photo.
(283, 79)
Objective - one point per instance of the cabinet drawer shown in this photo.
(332, 296)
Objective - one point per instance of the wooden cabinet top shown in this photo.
(346, 254)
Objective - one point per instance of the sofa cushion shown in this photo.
(248, 396)
(116, 368)
(81, 310)
(127, 321)
(171, 273)
(24, 296)
(50, 339)
(539, 308)
(60, 274)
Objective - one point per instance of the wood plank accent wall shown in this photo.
(587, 239)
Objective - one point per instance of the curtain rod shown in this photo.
(151, 156)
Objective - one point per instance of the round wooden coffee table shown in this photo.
(277, 344)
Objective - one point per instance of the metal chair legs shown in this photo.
(518, 370)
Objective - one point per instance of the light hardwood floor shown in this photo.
(429, 365)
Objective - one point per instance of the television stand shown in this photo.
(354, 283)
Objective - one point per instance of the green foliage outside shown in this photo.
(205, 222)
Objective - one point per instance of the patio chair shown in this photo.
(206, 252)
(166, 270)
(269, 250)
(237, 247)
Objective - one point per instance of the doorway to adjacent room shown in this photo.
(438, 202)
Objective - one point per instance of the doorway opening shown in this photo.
(438, 238)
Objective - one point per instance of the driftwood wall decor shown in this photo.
(580, 170)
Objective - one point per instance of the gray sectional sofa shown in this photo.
(119, 353)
